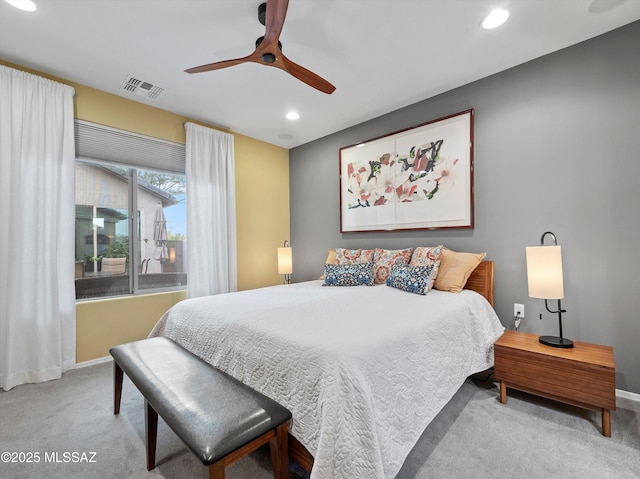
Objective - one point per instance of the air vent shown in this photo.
(142, 88)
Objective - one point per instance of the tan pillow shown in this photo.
(331, 256)
(331, 259)
(455, 269)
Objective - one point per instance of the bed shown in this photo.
(363, 369)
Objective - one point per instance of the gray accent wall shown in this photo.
(557, 148)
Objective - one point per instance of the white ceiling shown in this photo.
(380, 54)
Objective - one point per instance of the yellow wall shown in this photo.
(104, 323)
(262, 206)
(263, 226)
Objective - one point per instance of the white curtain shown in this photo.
(37, 294)
(211, 212)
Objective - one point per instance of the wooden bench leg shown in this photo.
(117, 387)
(151, 433)
(215, 470)
(279, 447)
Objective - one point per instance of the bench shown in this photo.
(219, 418)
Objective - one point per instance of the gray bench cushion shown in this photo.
(213, 413)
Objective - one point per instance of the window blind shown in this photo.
(104, 143)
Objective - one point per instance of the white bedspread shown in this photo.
(363, 369)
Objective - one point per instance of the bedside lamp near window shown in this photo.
(544, 276)
(285, 262)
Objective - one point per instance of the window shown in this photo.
(122, 180)
(121, 253)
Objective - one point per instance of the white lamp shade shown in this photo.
(544, 272)
(285, 261)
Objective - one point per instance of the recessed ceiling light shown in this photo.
(495, 19)
(26, 5)
(292, 115)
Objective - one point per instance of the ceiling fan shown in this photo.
(269, 49)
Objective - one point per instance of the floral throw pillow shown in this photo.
(358, 274)
(351, 256)
(428, 256)
(413, 279)
(384, 259)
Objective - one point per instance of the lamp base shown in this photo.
(556, 342)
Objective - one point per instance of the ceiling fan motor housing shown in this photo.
(268, 57)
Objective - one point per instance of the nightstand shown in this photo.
(583, 376)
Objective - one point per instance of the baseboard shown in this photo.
(93, 362)
(627, 395)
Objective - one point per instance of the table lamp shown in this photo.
(544, 276)
(285, 262)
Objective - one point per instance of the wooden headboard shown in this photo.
(481, 280)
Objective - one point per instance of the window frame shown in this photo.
(133, 230)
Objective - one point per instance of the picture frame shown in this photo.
(412, 179)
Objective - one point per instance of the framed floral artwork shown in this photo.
(419, 178)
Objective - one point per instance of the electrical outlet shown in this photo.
(518, 308)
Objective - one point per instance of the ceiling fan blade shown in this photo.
(219, 65)
(268, 50)
(306, 76)
(274, 21)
